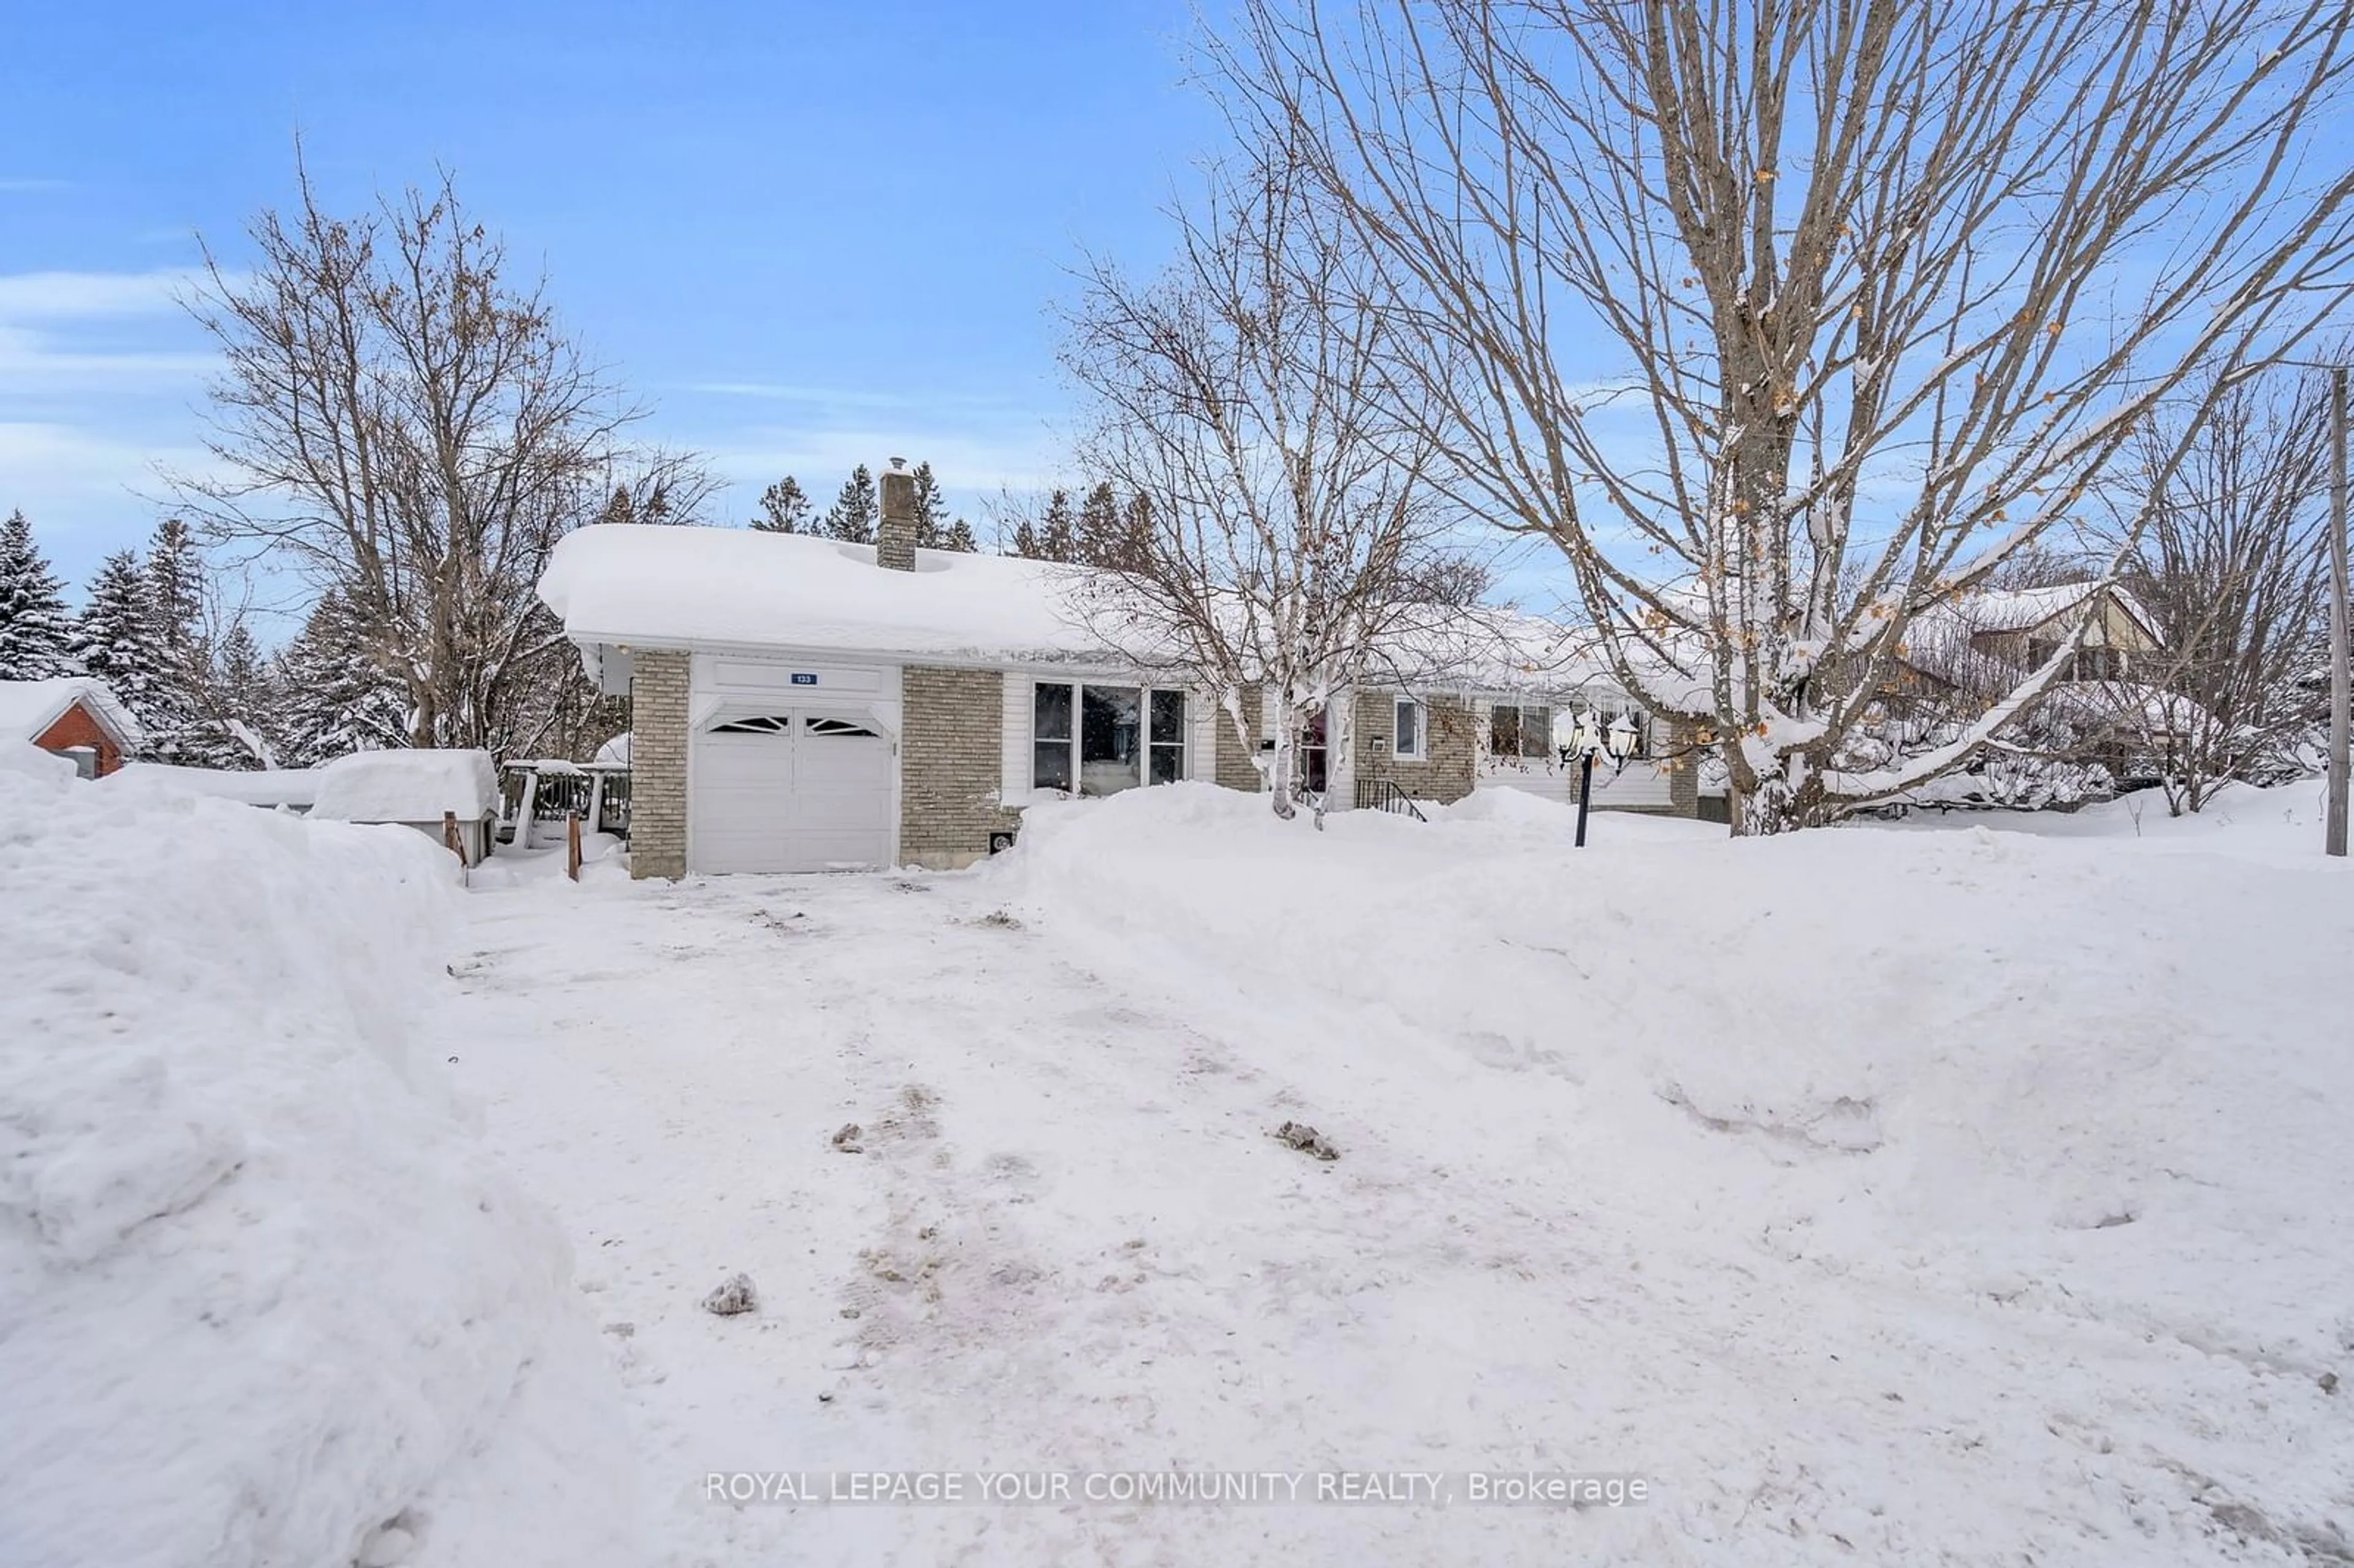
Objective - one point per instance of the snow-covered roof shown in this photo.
(409, 785)
(266, 787)
(2023, 609)
(30, 707)
(635, 586)
(676, 587)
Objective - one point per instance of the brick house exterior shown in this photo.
(1236, 767)
(951, 762)
(1450, 742)
(75, 716)
(77, 730)
(658, 681)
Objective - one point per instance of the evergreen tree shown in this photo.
(1054, 536)
(934, 530)
(1100, 525)
(1110, 534)
(175, 604)
(931, 509)
(176, 589)
(333, 697)
(619, 507)
(784, 508)
(854, 511)
(238, 717)
(36, 632)
(116, 640)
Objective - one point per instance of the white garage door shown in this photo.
(789, 791)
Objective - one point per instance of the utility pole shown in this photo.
(2339, 676)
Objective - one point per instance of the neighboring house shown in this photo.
(803, 705)
(2100, 715)
(76, 716)
(421, 788)
(1993, 638)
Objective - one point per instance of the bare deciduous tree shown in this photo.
(1787, 320)
(408, 427)
(2230, 563)
(1281, 518)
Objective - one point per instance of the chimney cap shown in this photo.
(898, 465)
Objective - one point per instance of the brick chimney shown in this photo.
(895, 540)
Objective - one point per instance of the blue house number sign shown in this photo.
(802, 680)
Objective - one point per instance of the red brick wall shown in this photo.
(76, 727)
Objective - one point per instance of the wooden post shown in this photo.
(457, 846)
(572, 845)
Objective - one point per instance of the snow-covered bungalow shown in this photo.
(799, 704)
(75, 716)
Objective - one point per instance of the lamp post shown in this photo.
(1586, 740)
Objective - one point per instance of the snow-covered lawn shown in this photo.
(1878, 1196)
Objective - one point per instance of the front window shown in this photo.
(1408, 730)
(1099, 740)
(1109, 725)
(1514, 731)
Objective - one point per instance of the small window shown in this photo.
(1504, 730)
(841, 728)
(1167, 738)
(1408, 730)
(764, 724)
(1050, 734)
(1536, 732)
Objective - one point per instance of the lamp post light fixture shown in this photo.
(1589, 738)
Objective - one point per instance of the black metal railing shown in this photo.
(1384, 795)
(613, 815)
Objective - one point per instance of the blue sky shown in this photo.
(806, 235)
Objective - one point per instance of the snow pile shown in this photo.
(252, 787)
(2016, 1155)
(417, 786)
(262, 1299)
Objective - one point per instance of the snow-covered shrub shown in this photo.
(260, 1292)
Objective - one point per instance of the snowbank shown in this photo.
(2062, 1119)
(410, 786)
(262, 1299)
(251, 787)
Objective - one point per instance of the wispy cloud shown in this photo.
(31, 364)
(821, 396)
(85, 296)
(63, 333)
(10, 184)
